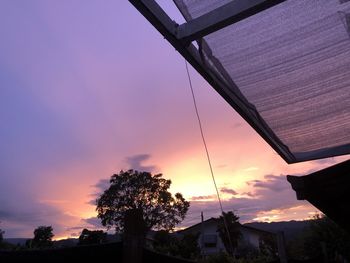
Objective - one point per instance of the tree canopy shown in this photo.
(141, 190)
(42, 237)
(320, 237)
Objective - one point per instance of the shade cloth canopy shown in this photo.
(283, 65)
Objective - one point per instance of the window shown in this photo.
(209, 240)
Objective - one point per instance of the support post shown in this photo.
(281, 245)
(324, 252)
(134, 236)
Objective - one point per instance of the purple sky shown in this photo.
(88, 88)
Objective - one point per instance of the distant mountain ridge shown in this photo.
(63, 243)
(291, 229)
(16, 241)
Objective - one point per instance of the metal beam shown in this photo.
(221, 17)
(163, 23)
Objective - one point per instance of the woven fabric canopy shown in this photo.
(283, 65)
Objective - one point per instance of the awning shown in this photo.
(328, 190)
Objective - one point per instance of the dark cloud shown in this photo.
(75, 228)
(21, 218)
(102, 184)
(271, 182)
(135, 162)
(100, 187)
(228, 191)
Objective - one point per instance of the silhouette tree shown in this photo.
(185, 246)
(233, 229)
(268, 245)
(322, 235)
(42, 237)
(141, 190)
(88, 237)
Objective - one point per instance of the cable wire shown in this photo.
(207, 153)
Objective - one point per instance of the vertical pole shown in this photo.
(324, 252)
(134, 236)
(201, 245)
(281, 245)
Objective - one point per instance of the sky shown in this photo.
(88, 88)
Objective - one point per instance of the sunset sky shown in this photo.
(88, 88)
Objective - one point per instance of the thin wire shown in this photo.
(207, 152)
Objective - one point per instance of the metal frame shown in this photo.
(180, 37)
(221, 17)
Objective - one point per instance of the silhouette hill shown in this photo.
(291, 229)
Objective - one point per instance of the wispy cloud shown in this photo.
(203, 198)
(251, 169)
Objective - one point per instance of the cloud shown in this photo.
(102, 184)
(247, 194)
(93, 222)
(135, 162)
(203, 197)
(270, 198)
(237, 125)
(100, 187)
(75, 228)
(20, 220)
(221, 166)
(271, 182)
(228, 191)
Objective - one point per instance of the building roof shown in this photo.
(328, 190)
(282, 65)
(216, 220)
(198, 225)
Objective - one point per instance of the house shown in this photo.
(209, 240)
